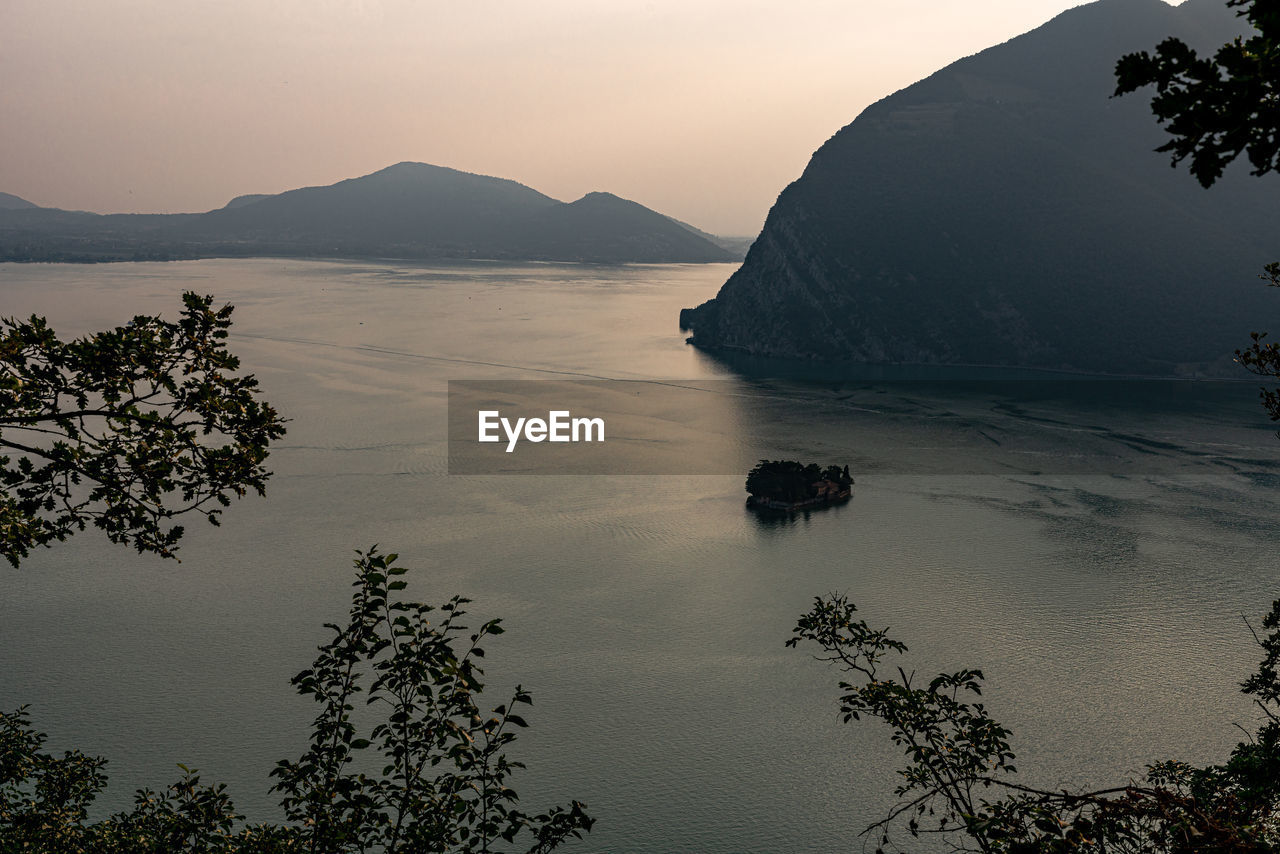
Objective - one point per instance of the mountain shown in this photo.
(247, 199)
(736, 245)
(1007, 211)
(10, 202)
(602, 225)
(418, 209)
(409, 210)
(409, 204)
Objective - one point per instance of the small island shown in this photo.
(791, 485)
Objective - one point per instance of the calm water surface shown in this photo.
(647, 614)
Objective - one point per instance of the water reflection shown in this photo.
(770, 521)
(648, 614)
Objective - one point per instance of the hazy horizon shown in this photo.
(701, 112)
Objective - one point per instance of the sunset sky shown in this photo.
(702, 109)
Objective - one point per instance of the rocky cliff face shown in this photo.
(1007, 211)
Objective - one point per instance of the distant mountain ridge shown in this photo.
(1007, 211)
(409, 210)
(10, 202)
(247, 199)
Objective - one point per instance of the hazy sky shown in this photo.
(702, 109)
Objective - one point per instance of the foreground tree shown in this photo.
(443, 783)
(1215, 109)
(959, 780)
(1218, 107)
(125, 430)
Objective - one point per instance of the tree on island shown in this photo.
(792, 482)
(126, 430)
(1215, 109)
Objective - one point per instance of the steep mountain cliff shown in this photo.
(1007, 211)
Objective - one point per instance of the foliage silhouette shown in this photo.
(126, 429)
(959, 780)
(444, 779)
(1215, 109)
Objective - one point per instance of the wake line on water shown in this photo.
(1145, 446)
(368, 348)
(433, 358)
(1203, 453)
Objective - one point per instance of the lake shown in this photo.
(1091, 547)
